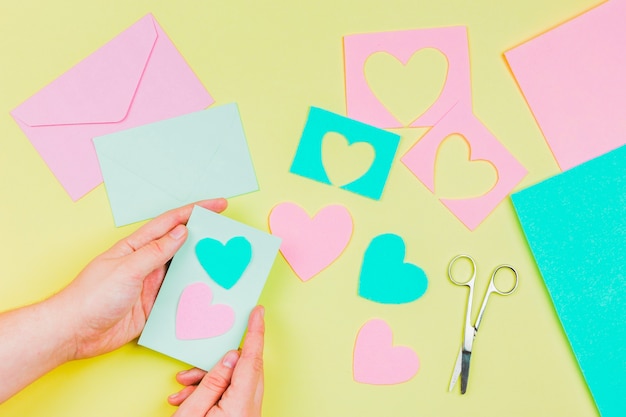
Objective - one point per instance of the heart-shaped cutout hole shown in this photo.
(344, 163)
(408, 89)
(457, 176)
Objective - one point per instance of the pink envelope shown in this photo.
(421, 158)
(138, 77)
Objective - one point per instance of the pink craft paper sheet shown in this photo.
(573, 80)
(421, 159)
(139, 77)
(361, 102)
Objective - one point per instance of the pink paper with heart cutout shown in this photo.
(362, 104)
(309, 245)
(421, 158)
(377, 361)
(197, 318)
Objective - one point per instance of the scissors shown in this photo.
(469, 332)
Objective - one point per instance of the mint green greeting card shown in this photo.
(213, 283)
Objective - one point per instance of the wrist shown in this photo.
(59, 333)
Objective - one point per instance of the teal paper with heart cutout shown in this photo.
(385, 277)
(225, 263)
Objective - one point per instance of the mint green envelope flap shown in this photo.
(156, 167)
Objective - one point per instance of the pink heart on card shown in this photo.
(197, 318)
(377, 361)
(311, 244)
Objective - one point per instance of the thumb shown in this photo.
(157, 252)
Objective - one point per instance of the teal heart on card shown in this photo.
(385, 277)
(225, 263)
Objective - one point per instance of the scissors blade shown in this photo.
(457, 370)
(465, 363)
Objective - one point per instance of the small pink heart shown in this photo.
(377, 361)
(311, 244)
(196, 318)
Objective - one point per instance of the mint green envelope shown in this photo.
(156, 167)
(196, 318)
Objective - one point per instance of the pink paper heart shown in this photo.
(377, 361)
(311, 244)
(197, 318)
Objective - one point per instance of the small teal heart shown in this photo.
(225, 263)
(385, 277)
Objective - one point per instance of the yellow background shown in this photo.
(277, 58)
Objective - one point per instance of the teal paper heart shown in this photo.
(225, 263)
(385, 277)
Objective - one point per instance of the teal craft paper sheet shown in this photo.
(308, 159)
(575, 224)
(156, 167)
(159, 333)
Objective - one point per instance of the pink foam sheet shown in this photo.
(573, 80)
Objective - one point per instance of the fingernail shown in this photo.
(173, 396)
(262, 311)
(222, 203)
(230, 360)
(182, 373)
(178, 231)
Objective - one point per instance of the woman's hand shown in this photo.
(105, 307)
(234, 387)
(109, 301)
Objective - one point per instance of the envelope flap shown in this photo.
(100, 88)
(173, 154)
